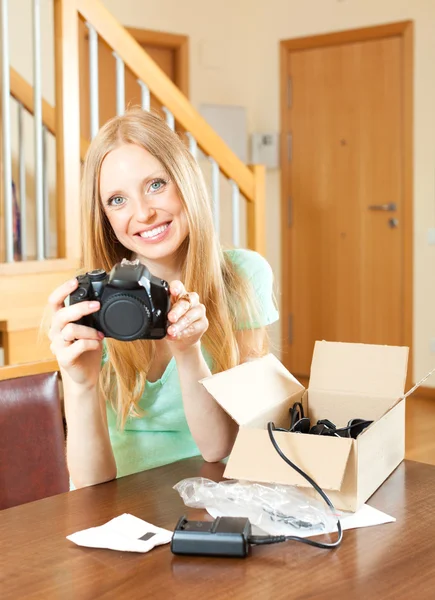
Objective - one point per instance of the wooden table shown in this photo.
(395, 560)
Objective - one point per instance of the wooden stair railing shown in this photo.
(64, 123)
(168, 94)
(23, 93)
(26, 285)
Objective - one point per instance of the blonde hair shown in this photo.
(226, 296)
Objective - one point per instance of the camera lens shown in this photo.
(97, 275)
(125, 318)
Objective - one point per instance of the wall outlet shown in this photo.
(432, 345)
(431, 236)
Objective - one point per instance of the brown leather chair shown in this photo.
(32, 439)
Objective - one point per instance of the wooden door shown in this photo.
(169, 51)
(343, 238)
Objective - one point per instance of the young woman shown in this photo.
(132, 406)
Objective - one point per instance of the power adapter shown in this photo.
(225, 536)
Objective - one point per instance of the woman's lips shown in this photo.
(156, 234)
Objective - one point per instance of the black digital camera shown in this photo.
(134, 303)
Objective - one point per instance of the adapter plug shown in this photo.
(225, 536)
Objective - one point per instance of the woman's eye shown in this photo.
(116, 201)
(157, 185)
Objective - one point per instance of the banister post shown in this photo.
(256, 211)
(67, 128)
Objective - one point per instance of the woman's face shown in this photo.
(142, 204)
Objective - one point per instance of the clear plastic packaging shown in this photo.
(276, 509)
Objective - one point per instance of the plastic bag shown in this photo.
(276, 509)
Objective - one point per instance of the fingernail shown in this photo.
(73, 282)
(100, 335)
(94, 304)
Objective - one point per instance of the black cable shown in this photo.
(362, 423)
(275, 539)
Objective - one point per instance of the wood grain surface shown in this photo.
(389, 561)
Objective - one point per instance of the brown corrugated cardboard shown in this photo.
(256, 391)
(362, 368)
(346, 381)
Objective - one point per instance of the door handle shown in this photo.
(387, 207)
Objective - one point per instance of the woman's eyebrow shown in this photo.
(120, 192)
(154, 174)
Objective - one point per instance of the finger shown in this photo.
(176, 288)
(195, 329)
(181, 305)
(194, 299)
(194, 315)
(72, 332)
(72, 313)
(58, 297)
(180, 308)
(71, 353)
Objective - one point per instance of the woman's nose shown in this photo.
(144, 211)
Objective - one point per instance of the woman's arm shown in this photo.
(78, 351)
(89, 452)
(213, 430)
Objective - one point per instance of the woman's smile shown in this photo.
(156, 234)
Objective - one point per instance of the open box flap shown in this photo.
(253, 389)
(361, 368)
(323, 458)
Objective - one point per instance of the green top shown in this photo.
(162, 436)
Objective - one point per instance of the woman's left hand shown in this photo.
(187, 317)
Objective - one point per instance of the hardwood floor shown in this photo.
(420, 427)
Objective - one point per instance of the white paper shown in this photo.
(366, 516)
(122, 533)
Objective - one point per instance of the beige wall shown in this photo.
(234, 59)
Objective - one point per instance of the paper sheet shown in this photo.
(366, 516)
(126, 533)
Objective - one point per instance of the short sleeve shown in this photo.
(259, 274)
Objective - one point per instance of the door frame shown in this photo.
(404, 30)
(177, 42)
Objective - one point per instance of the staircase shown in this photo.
(26, 283)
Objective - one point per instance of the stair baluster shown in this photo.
(22, 182)
(170, 121)
(235, 211)
(120, 85)
(215, 194)
(38, 134)
(93, 80)
(193, 145)
(6, 126)
(145, 95)
(45, 194)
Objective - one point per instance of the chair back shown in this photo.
(32, 438)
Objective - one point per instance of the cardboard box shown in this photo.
(347, 381)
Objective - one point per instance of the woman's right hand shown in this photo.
(78, 349)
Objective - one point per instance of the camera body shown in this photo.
(134, 303)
